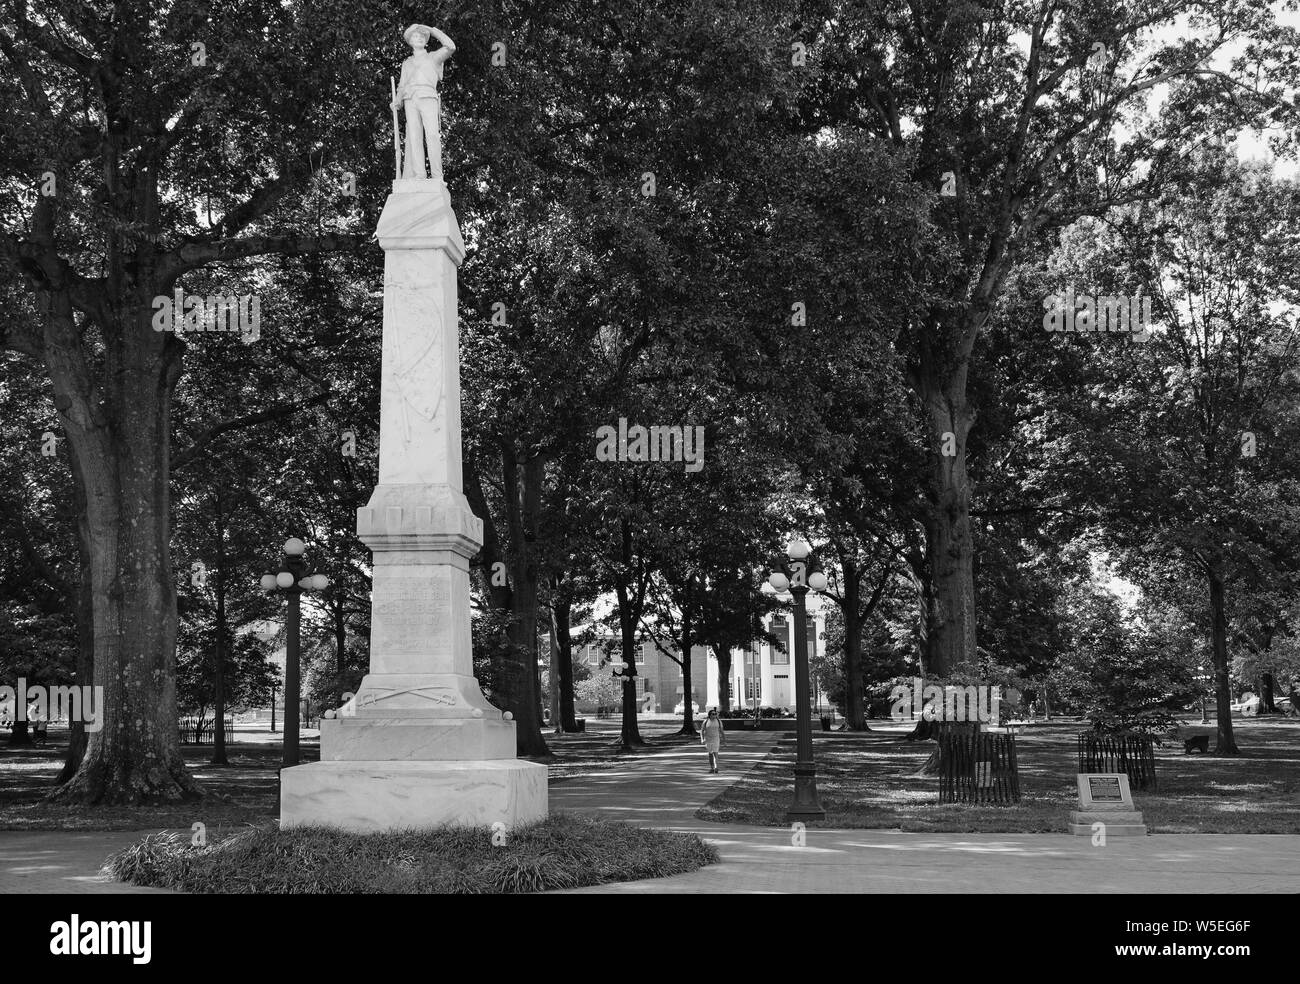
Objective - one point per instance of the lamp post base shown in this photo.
(806, 805)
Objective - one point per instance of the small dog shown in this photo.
(1199, 742)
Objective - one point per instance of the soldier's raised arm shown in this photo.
(448, 45)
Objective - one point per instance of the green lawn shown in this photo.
(246, 791)
(243, 792)
(870, 781)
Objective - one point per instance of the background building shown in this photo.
(762, 675)
(658, 677)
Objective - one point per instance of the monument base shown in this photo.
(371, 797)
(1119, 823)
(415, 739)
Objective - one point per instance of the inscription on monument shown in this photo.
(412, 616)
(1105, 789)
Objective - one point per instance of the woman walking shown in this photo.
(712, 737)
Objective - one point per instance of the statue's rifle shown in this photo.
(397, 142)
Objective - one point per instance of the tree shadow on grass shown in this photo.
(245, 791)
(869, 781)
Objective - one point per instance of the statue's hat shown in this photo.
(406, 35)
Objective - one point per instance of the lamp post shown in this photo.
(1201, 679)
(624, 674)
(806, 805)
(293, 580)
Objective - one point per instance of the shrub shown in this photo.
(563, 851)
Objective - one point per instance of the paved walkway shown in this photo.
(665, 787)
(35, 862)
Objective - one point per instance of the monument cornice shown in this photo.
(418, 216)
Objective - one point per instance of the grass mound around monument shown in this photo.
(563, 851)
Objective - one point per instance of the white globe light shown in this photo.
(284, 579)
(294, 547)
(798, 549)
(817, 581)
(268, 582)
(305, 583)
(779, 581)
(320, 582)
(329, 714)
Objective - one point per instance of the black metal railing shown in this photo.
(1132, 754)
(978, 768)
(196, 731)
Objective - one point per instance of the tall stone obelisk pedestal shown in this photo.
(419, 745)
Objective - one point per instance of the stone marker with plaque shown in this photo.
(1105, 798)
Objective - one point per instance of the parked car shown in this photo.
(681, 707)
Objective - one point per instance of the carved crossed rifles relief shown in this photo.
(441, 696)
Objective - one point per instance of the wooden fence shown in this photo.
(196, 732)
(1132, 754)
(978, 768)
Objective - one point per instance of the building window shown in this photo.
(781, 629)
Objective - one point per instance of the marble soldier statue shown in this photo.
(419, 745)
(417, 93)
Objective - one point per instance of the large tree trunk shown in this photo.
(219, 650)
(523, 691)
(724, 679)
(1225, 743)
(122, 440)
(951, 630)
(854, 706)
(553, 677)
(1266, 705)
(560, 618)
(630, 736)
(920, 576)
(688, 712)
(78, 735)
